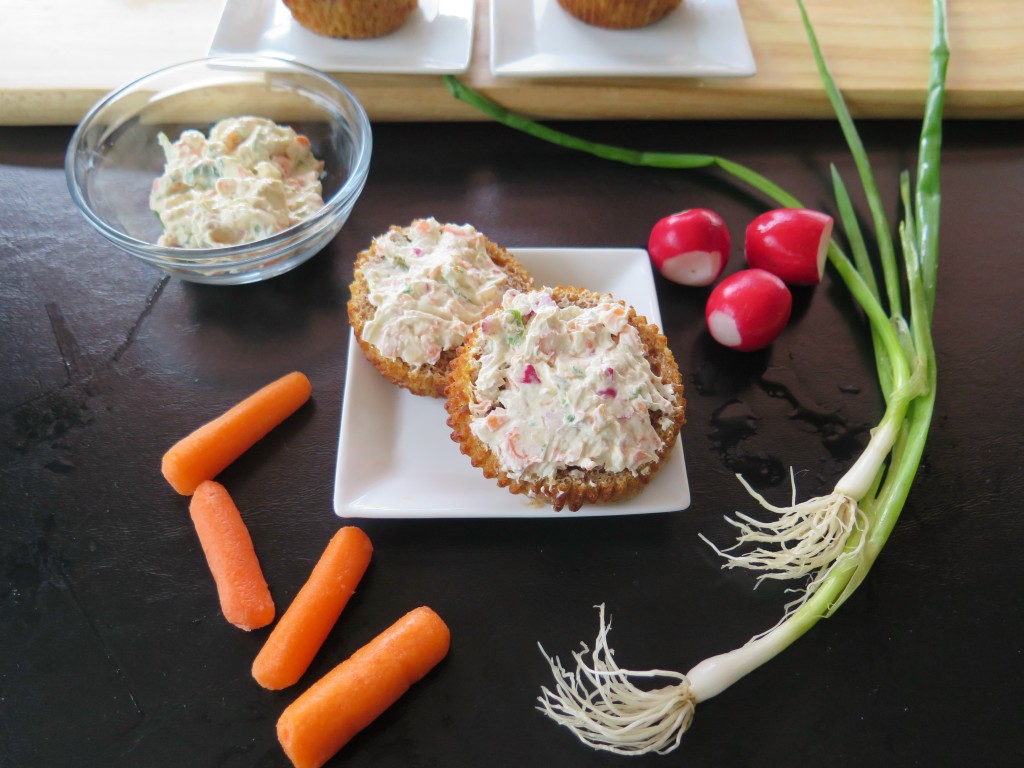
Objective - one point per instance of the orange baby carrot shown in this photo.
(297, 637)
(352, 695)
(244, 597)
(203, 454)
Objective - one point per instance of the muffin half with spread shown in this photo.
(417, 293)
(567, 396)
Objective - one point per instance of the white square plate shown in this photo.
(538, 38)
(396, 457)
(437, 39)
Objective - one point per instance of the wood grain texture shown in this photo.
(877, 49)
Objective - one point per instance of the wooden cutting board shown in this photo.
(57, 57)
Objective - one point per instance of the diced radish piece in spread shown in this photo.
(748, 310)
(690, 247)
(791, 243)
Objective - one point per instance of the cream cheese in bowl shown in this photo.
(249, 179)
(259, 166)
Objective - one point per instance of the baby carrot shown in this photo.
(352, 695)
(295, 640)
(244, 597)
(203, 454)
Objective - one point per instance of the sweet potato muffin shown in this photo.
(567, 396)
(620, 14)
(417, 293)
(353, 19)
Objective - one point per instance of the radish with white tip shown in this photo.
(690, 247)
(791, 243)
(748, 310)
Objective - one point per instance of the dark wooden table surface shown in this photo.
(113, 651)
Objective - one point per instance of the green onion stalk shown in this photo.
(830, 541)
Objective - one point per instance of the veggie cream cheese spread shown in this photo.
(430, 285)
(566, 387)
(249, 179)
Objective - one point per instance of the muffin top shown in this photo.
(620, 14)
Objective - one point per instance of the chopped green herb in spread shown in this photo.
(432, 284)
(250, 179)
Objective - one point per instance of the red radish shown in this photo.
(748, 310)
(791, 243)
(690, 247)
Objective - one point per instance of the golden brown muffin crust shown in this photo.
(353, 19)
(620, 14)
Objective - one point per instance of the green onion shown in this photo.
(518, 328)
(831, 541)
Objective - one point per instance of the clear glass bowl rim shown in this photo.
(235, 254)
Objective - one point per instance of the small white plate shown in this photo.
(437, 39)
(538, 38)
(396, 457)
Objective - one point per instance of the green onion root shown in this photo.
(605, 709)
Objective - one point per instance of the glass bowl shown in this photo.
(114, 157)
